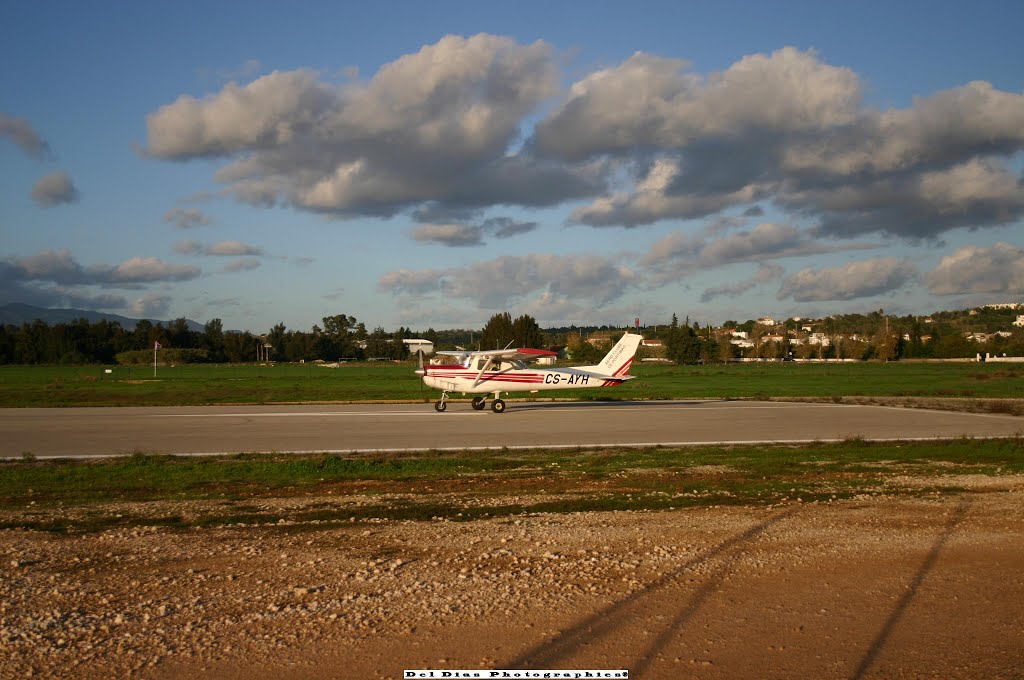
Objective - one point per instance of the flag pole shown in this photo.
(156, 346)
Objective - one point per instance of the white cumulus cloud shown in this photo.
(431, 126)
(973, 269)
(848, 282)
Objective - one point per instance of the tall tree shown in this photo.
(399, 350)
(141, 335)
(884, 344)
(178, 334)
(213, 339)
(498, 332)
(339, 325)
(527, 332)
(276, 338)
(682, 345)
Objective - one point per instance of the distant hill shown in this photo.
(16, 313)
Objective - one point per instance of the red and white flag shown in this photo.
(156, 345)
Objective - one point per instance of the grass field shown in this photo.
(90, 496)
(22, 386)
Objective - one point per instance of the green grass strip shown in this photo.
(48, 386)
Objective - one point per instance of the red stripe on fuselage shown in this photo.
(462, 374)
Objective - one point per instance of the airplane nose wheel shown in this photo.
(440, 404)
(478, 403)
(498, 406)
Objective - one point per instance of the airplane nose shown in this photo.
(420, 372)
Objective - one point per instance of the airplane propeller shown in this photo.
(420, 371)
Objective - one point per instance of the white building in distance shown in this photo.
(419, 345)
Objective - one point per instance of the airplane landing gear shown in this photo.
(440, 404)
(498, 406)
(479, 403)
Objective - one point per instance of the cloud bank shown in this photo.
(55, 277)
(509, 280)
(470, 128)
(642, 141)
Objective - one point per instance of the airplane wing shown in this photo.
(521, 354)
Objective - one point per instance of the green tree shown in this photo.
(8, 333)
(213, 339)
(300, 346)
(179, 335)
(239, 347)
(276, 339)
(953, 345)
(32, 344)
(527, 332)
(339, 325)
(142, 335)
(682, 344)
(378, 344)
(498, 332)
(585, 353)
(883, 345)
(398, 349)
(726, 350)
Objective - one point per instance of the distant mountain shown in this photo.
(16, 313)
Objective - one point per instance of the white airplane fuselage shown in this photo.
(513, 378)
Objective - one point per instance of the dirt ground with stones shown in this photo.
(882, 586)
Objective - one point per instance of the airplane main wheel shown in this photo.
(440, 406)
(498, 406)
(478, 403)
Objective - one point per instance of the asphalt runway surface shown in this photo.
(210, 430)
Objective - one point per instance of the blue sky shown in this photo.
(430, 164)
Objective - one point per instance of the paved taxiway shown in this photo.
(83, 432)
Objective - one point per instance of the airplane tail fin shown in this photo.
(618, 361)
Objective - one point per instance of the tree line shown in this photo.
(338, 337)
(107, 342)
(343, 337)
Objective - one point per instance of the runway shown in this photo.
(210, 430)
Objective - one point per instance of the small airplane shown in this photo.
(505, 370)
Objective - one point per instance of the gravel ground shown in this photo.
(881, 586)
